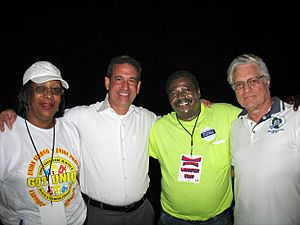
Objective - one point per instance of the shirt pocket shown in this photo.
(219, 155)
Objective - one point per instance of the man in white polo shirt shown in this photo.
(265, 142)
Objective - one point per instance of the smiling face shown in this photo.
(255, 96)
(123, 86)
(43, 106)
(184, 98)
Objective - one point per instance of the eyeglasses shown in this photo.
(45, 90)
(250, 82)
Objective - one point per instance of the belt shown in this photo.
(126, 208)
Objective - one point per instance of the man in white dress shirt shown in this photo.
(114, 137)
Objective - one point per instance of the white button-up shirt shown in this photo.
(114, 151)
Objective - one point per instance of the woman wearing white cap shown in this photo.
(40, 157)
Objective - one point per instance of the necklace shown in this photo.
(191, 134)
(52, 150)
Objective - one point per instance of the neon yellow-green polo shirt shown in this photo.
(211, 193)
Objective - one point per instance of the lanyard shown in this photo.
(191, 134)
(53, 143)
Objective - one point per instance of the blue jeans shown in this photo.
(222, 219)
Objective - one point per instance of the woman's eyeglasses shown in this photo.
(45, 90)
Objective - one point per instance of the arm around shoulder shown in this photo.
(8, 117)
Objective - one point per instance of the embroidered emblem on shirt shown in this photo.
(275, 124)
(208, 134)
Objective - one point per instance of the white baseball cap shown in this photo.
(43, 71)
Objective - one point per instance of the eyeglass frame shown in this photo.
(251, 82)
(57, 91)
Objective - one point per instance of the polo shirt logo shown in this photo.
(275, 124)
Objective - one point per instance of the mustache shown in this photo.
(184, 100)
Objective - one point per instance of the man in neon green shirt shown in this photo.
(192, 147)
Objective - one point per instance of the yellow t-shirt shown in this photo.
(196, 187)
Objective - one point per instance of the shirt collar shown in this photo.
(277, 106)
(105, 106)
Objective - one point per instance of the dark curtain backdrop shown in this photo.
(164, 37)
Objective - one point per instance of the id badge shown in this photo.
(53, 214)
(190, 168)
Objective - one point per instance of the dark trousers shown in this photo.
(144, 215)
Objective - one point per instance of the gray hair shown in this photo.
(246, 59)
